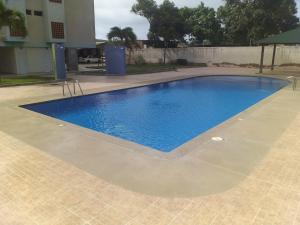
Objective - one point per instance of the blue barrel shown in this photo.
(115, 60)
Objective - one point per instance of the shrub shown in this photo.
(202, 65)
(139, 60)
(182, 62)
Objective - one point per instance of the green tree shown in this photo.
(166, 23)
(125, 37)
(202, 23)
(145, 8)
(12, 18)
(246, 21)
(236, 22)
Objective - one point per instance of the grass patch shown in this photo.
(156, 68)
(153, 68)
(290, 64)
(149, 68)
(245, 65)
(12, 80)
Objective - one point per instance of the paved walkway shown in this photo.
(37, 188)
(94, 83)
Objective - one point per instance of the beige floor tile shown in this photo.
(197, 214)
(153, 215)
(39, 189)
(111, 216)
(11, 215)
(88, 209)
(173, 206)
(262, 222)
(129, 203)
(46, 212)
(69, 219)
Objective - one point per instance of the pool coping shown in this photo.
(181, 150)
(203, 177)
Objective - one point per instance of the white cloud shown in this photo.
(111, 13)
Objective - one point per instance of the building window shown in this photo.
(58, 31)
(28, 12)
(38, 13)
(56, 1)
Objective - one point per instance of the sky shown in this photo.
(110, 13)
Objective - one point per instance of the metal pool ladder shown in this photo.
(294, 81)
(75, 83)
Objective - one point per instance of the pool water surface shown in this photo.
(163, 116)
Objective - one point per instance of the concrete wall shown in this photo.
(234, 55)
(37, 35)
(7, 61)
(33, 60)
(80, 23)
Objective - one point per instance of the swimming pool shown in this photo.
(163, 116)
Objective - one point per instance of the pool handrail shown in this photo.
(74, 82)
(66, 83)
(294, 81)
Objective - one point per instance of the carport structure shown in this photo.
(291, 37)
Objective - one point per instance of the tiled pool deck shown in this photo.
(69, 175)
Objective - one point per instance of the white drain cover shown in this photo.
(217, 139)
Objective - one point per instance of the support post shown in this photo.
(58, 57)
(273, 58)
(262, 59)
(53, 51)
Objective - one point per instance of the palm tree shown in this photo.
(124, 36)
(12, 18)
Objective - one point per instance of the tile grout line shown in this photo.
(260, 208)
(94, 197)
(296, 214)
(179, 213)
(141, 212)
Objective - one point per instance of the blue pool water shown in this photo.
(166, 115)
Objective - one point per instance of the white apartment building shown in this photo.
(68, 22)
